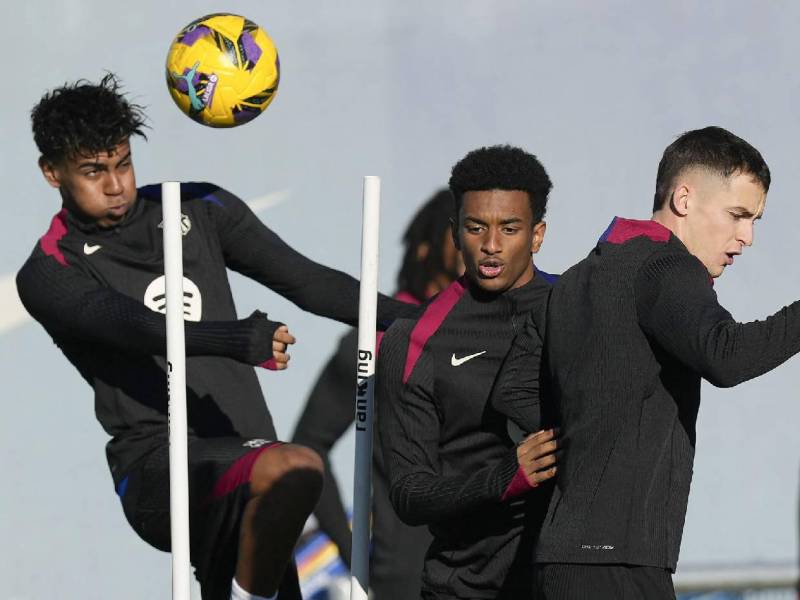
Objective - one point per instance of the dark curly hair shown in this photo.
(502, 168)
(713, 148)
(83, 118)
(429, 226)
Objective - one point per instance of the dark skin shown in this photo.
(285, 484)
(286, 481)
(536, 455)
(497, 237)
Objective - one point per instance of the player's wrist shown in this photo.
(507, 471)
(261, 332)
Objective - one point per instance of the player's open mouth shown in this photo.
(490, 268)
(729, 257)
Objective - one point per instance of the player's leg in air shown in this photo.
(93, 281)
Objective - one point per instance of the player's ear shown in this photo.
(50, 172)
(679, 199)
(538, 236)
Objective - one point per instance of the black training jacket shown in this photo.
(98, 293)
(631, 330)
(451, 461)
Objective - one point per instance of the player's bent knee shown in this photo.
(301, 457)
(292, 465)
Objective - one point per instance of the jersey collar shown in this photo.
(621, 230)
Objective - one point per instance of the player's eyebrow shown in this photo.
(95, 164)
(745, 212)
(124, 158)
(91, 165)
(507, 221)
(474, 220)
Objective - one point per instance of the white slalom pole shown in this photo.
(365, 388)
(176, 386)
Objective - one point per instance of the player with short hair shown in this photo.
(430, 263)
(95, 282)
(630, 331)
(451, 461)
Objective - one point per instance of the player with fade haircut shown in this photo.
(430, 263)
(95, 282)
(629, 333)
(452, 462)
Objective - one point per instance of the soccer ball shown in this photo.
(222, 70)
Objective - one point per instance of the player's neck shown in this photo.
(669, 220)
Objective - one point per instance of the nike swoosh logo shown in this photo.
(460, 361)
(87, 249)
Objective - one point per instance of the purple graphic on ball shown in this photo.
(244, 114)
(190, 37)
(251, 50)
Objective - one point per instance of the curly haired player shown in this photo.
(94, 281)
(451, 461)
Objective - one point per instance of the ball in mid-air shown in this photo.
(222, 70)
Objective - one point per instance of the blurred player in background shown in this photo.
(430, 263)
(95, 282)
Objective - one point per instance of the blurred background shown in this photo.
(404, 90)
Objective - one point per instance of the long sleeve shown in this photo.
(516, 392)
(257, 252)
(678, 307)
(409, 427)
(71, 305)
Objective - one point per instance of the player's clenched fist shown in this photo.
(280, 342)
(536, 455)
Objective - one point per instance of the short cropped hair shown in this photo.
(712, 148)
(502, 168)
(83, 119)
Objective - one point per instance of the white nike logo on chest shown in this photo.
(89, 249)
(460, 361)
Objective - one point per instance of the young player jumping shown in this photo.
(95, 282)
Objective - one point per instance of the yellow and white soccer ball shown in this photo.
(222, 70)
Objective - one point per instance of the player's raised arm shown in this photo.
(678, 307)
(254, 250)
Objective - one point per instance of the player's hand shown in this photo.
(280, 342)
(536, 455)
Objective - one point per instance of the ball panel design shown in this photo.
(222, 70)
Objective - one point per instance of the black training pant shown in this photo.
(219, 488)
